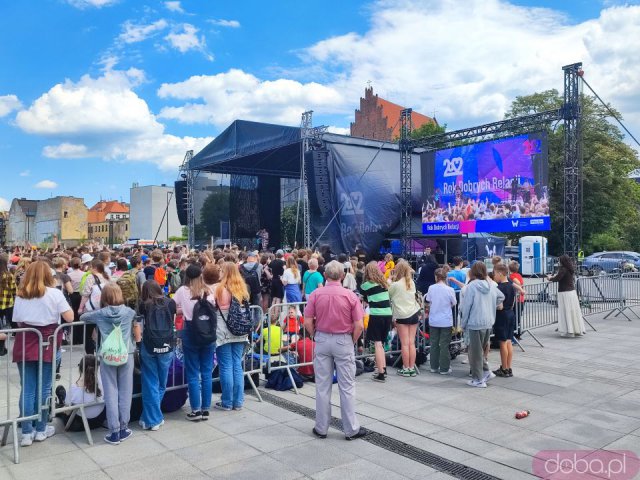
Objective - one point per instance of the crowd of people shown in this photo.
(137, 303)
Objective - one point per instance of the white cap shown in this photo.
(86, 258)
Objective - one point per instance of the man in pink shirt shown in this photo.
(334, 316)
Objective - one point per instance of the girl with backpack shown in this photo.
(156, 351)
(91, 293)
(230, 347)
(196, 304)
(117, 332)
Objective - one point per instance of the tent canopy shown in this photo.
(252, 148)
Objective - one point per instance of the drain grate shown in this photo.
(457, 470)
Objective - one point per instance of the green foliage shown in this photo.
(288, 226)
(427, 130)
(611, 201)
(214, 210)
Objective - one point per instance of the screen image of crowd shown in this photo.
(524, 201)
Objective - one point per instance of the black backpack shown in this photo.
(239, 320)
(251, 279)
(204, 322)
(158, 336)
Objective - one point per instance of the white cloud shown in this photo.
(339, 130)
(235, 94)
(104, 118)
(469, 60)
(25, 173)
(82, 4)
(8, 103)
(4, 204)
(132, 33)
(174, 7)
(65, 150)
(48, 184)
(220, 22)
(186, 38)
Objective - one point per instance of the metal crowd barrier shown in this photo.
(630, 288)
(8, 420)
(600, 294)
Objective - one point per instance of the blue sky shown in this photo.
(97, 94)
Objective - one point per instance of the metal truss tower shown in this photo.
(190, 177)
(405, 180)
(308, 133)
(571, 114)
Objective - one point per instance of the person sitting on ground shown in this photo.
(85, 390)
(304, 347)
(272, 337)
(505, 320)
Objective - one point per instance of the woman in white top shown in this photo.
(291, 281)
(38, 305)
(406, 315)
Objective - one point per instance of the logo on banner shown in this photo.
(514, 223)
(352, 203)
(452, 167)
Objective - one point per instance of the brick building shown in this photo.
(377, 118)
(109, 222)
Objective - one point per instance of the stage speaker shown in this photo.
(181, 201)
(317, 166)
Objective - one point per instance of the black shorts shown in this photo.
(412, 320)
(378, 328)
(505, 326)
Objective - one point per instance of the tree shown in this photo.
(611, 201)
(427, 130)
(288, 226)
(214, 210)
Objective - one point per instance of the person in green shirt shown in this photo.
(312, 278)
(375, 293)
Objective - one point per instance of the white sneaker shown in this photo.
(464, 360)
(476, 383)
(155, 428)
(434, 370)
(448, 372)
(27, 439)
(488, 375)
(49, 431)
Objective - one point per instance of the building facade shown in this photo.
(153, 212)
(57, 219)
(109, 222)
(378, 118)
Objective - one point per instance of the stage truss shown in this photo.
(570, 112)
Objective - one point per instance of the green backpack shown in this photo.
(114, 350)
(129, 287)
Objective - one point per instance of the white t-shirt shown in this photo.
(80, 395)
(442, 298)
(290, 278)
(42, 311)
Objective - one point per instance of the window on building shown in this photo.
(66, 214)
(126, 227)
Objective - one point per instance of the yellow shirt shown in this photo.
(274, 337)
(390, 265)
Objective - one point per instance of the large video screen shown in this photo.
(494, 186)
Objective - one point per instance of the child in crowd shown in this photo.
(117, 381)
(272, 337)
(304, 347)
(292, 323)
(505, 320)
(85, 390)
(442, 299)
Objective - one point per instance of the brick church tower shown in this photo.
(377, 118)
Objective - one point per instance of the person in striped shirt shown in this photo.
(375, 293)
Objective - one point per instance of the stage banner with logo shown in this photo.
(494, 186)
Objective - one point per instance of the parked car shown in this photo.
(608, 262)
(512, 252)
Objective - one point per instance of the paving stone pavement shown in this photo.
(583, 393)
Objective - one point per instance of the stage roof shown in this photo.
(253, 148)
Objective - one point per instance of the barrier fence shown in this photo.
(8, 420)
(603, 294)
